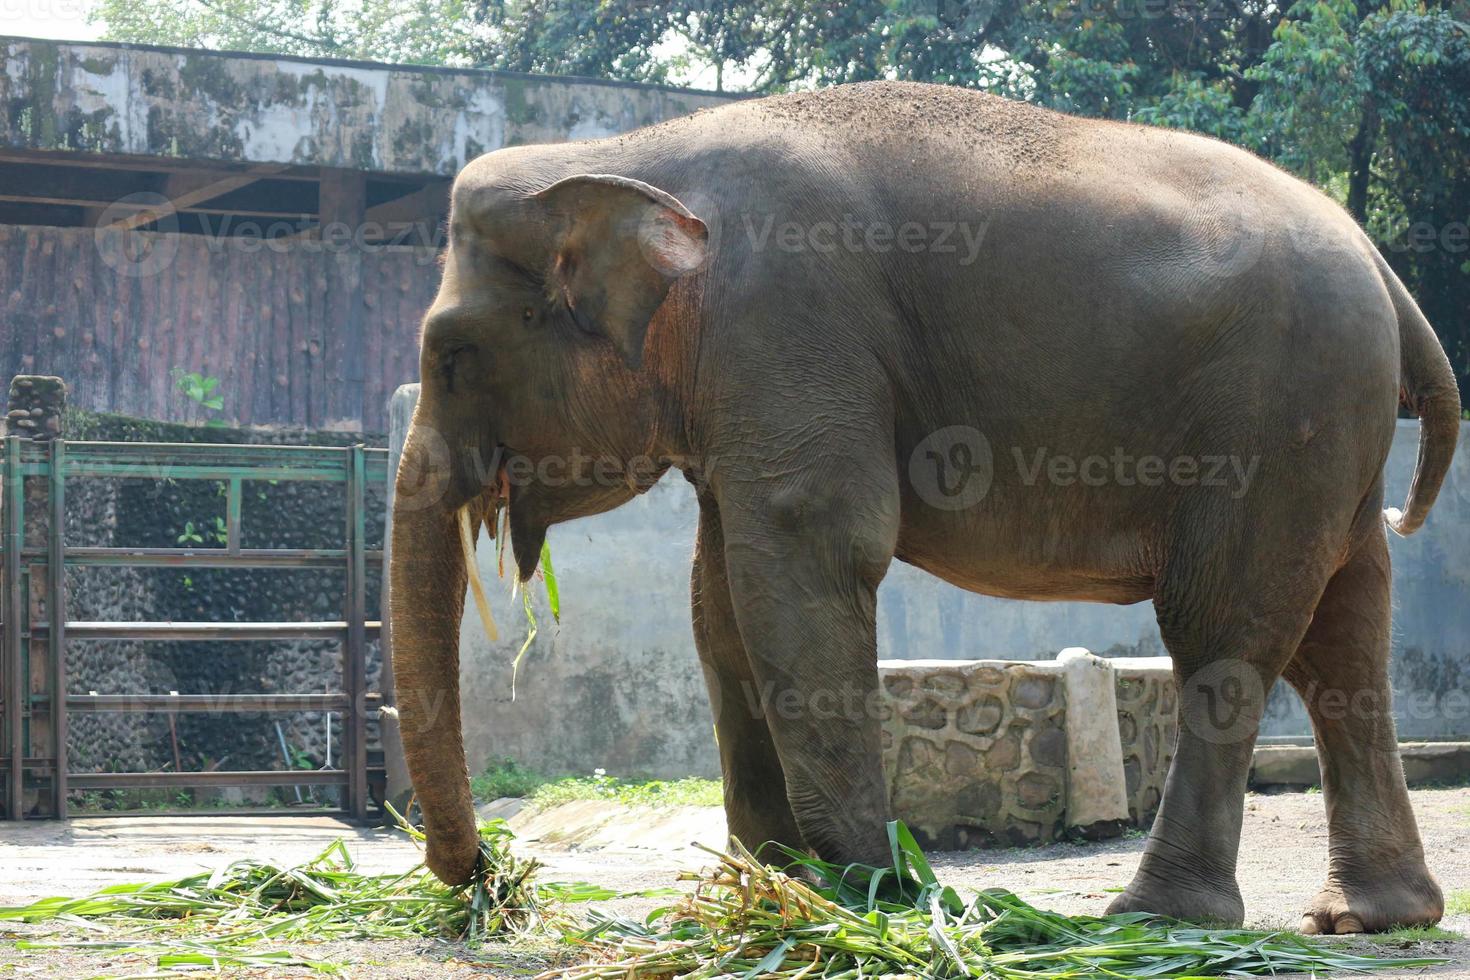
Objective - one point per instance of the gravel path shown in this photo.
(1283, 860)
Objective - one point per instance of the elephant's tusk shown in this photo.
(472, 568)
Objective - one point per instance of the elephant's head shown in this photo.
(538, 394)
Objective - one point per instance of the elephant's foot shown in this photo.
(1378, 902)
(1216, 904)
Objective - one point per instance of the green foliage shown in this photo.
(747, 919)
(567, 37)
(1416, 64)
(1193, 103)
(1415, 934)
(1458, 902)
(218, 919)
(198, 388)
(202, 391)
(506, 778)
(744, 918)
(1310, 98)
(632, 792)
(509, 778)
(215, 531)
(416, 31)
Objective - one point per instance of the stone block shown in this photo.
(976, 751)
(987, 753)
(36, 406)
(1148, 725)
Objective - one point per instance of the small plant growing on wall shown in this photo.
(196, 534)
(203, 391)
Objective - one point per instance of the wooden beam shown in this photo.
(157, 165)
(102, 206)
(186, 190)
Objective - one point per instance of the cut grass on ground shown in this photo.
(541, 792)
(1457, 903)
(1415, 934)
(743, 919)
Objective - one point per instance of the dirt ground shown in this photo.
(1283, 859)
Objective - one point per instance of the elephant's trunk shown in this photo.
(427, 589)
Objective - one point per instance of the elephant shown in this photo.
(900, 321)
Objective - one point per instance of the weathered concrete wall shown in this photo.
(617, 685)
(241, 108)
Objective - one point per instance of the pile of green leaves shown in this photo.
(218, 919)
(746, 919)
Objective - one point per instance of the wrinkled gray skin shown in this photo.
(1135, 291)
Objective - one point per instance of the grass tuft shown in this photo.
(509, 778)
(1404, 935)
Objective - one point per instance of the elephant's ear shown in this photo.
(619, 246)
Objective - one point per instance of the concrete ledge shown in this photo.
(230, 107)
(1425, 763)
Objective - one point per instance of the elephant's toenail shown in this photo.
(1349, 923)
(1309, 926)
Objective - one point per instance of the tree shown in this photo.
(1416, 65)
(439, 32)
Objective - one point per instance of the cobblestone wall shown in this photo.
(1148, 724)
(978, 753)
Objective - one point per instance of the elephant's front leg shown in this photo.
(805, 558)
(756, 810)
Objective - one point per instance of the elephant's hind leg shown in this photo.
(1232, 609)
(756, 809)
(1377, 877)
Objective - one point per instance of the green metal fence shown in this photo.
(34, 705)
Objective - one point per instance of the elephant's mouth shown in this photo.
(511, 513)
(496, 496)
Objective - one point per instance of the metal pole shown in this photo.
(354, 666)
(232, 516)
(14, 676)
(56, 612)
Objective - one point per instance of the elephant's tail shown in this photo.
(1427, 387)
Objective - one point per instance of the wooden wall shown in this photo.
(298, 333)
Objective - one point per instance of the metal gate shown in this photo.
(34, 705)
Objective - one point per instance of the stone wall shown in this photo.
(976, 751)
(157, 513)
(996, 753)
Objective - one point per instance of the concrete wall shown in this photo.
(617, 685)
(242, 108)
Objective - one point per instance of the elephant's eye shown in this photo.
(527, 315)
